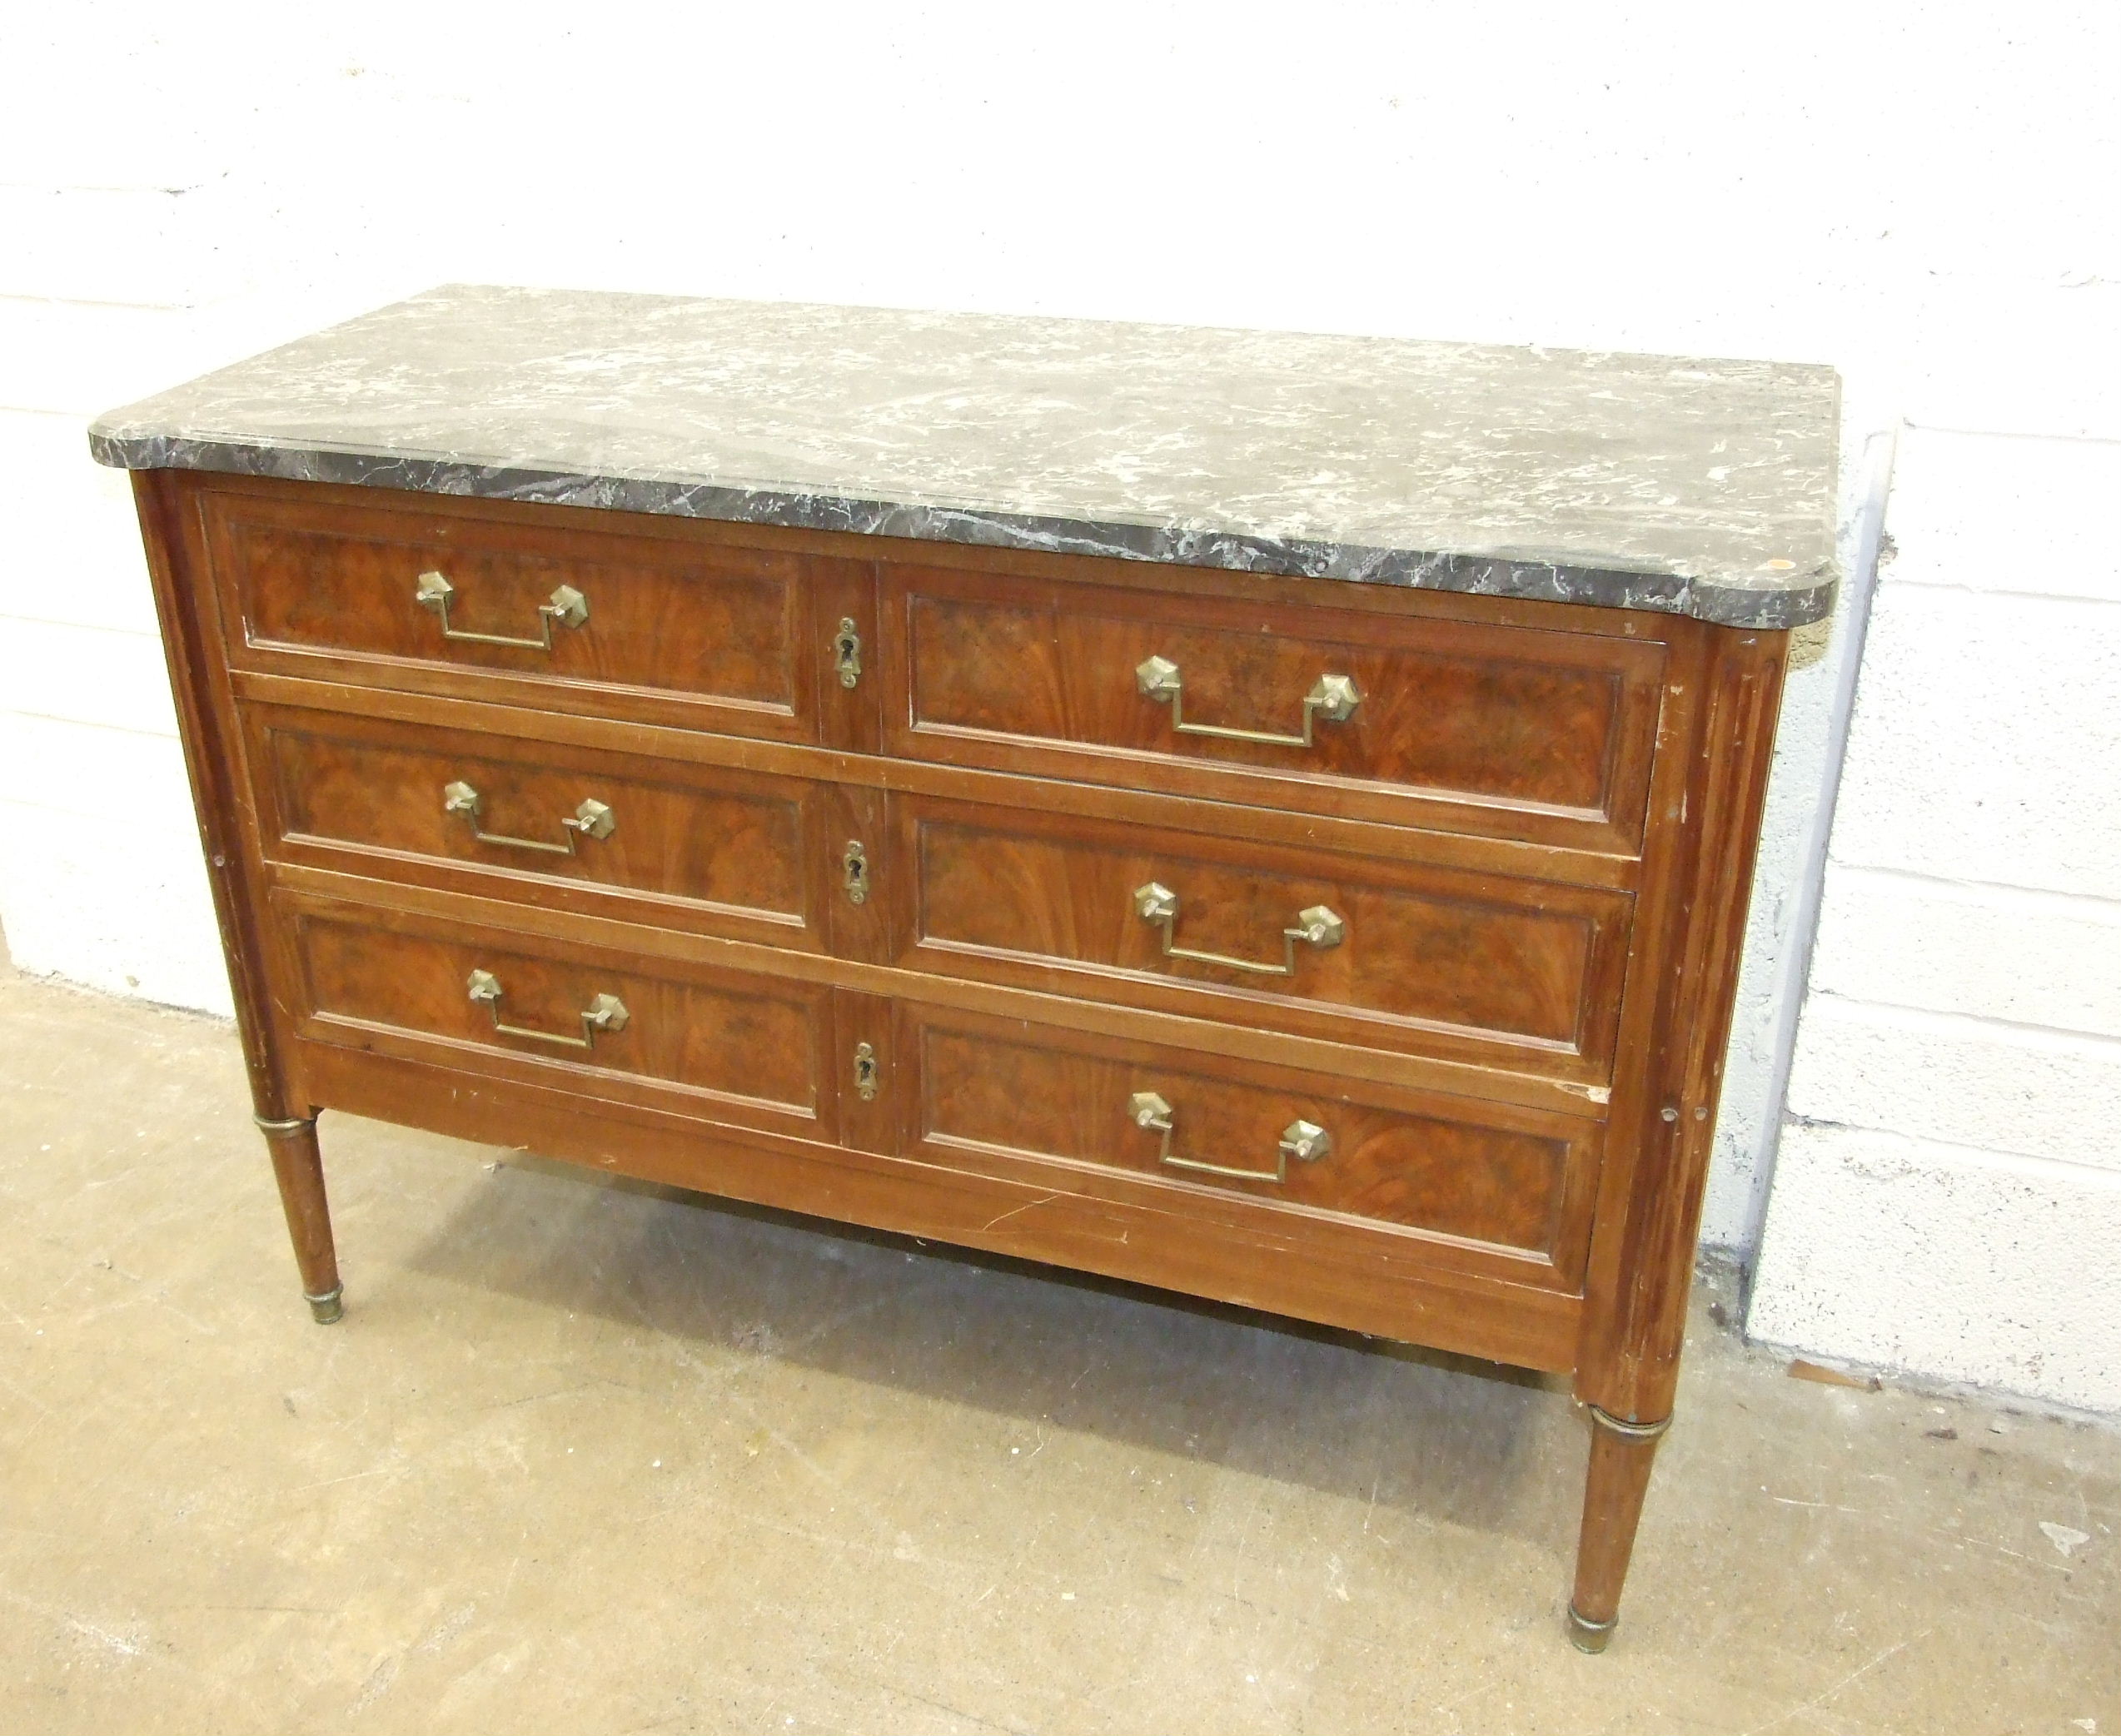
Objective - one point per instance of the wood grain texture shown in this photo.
(1484, 1182)
(723, 1047)
(1239, 1042)
(1615, 1484)
(235, 874)
(701, 635)
(1460, 727)
(1162, 810)
(726, 852)
(1663, 1115)
(1430, 960)
(298, 1171)
(1538, 826)
(1332, 1273)
(192, 647)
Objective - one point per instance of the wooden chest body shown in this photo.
(1357, 952)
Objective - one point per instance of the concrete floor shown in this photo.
(590, 1458)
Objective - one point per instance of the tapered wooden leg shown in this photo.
(298, 1167)
(1621, 1454)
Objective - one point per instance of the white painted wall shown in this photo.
(1947, 1197)
(1920, 195)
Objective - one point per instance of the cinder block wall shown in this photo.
(1918, 195)
(1948, 1196)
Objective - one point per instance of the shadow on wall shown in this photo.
(1457, 1440)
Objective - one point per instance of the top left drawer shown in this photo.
(644, 619)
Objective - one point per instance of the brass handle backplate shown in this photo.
(591, 819)
(1306, 1142)
(606, 1012)
(847, 652)
(1333, 698)
(1316, 926)
(566, 606)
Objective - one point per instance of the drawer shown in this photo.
(1487, 1186)
(714, 1045)
(712, 849)
(443, 597)
(1390, 954)
(1367, 712)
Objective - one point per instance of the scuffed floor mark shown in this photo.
(378, 1685)
(448, 1629)
(1821, 1699)
(124, 1645)
(1790, 1500)
(1337, 1578)
(116, 1642)
(2066, 1538)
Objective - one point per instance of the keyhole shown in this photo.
(847, 652)
(856, 873)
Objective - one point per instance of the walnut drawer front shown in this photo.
(1369, 713)
(1386, 953)
(713, 1044)
(1485, 1186)
(441, 599)
(712, 850)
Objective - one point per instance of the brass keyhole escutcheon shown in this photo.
(865, 1072)
(854, 872)
(847, 652)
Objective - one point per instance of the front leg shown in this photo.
(298, 1167)
(1621, 1456)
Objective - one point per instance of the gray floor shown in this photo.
(589, 1458)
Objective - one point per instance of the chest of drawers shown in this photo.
(1344, 928)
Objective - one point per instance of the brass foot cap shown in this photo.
(1589, 1636)
(326, 1309)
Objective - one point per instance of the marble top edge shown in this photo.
(1604, 478)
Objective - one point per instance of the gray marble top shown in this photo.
(1693, 487)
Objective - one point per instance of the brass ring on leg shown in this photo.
(1621, 1426)
(1584, 1634)
(328, 1308)
(1589, 1636)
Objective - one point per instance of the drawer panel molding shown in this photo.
(643, 626)
(1387, 953)
(1516, 733)
(716, 850)
(714, 1045)
(1480, 1187)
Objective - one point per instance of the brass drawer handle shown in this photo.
(1334, 699)
(1316, 926)
(606, 1012)
(1307, 1141)
(592, 819)
(566, 605)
